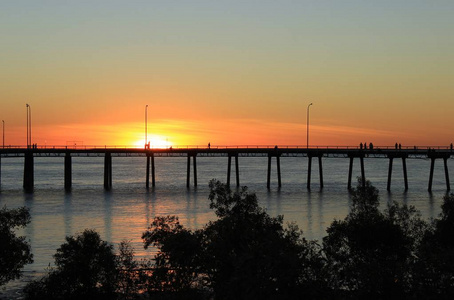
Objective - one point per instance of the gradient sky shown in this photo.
(229, 73)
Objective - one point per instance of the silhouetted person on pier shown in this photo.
(371, 146)
(361, 146)
(400, 146)
(396, 146)
(209, 145)
(365, 146)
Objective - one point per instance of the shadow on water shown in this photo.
(108, 200)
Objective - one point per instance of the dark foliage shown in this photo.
(434, 272)
(245, 254)
(85, 267)
(15, 252)
(371, 253)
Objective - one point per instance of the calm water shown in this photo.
(126, 211)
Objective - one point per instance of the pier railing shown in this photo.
(89, 147)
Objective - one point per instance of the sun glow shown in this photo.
(155, 142)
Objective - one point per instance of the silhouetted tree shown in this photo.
(15, 252)
(245, 254)
(176, 268)
(435, 269)
(371, 253)
(85, 267)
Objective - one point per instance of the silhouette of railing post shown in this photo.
(68, 171)
(29, 179)
(108, 171)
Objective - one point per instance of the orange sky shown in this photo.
(236, 73)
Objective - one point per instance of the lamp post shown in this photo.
(29, 125)
(307, 126)
(146, 126)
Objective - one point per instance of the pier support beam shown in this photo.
(390, 171)
(188, 175)
(431, 173)
(68, 172)
(108, 171)
(153, 173)
(404, 165)
(229, 168)
(445, 162)
(150, 157)
(433, 157)
(147, 176)
(363, 175)
(29, 179)
(350, 170)
(309, 171)
(237, 171)
(278, 163)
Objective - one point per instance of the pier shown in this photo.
(271, 152)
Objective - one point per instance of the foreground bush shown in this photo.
(245, 254)
(15, 252)
(85, 267)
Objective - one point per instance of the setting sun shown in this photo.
(155, 142)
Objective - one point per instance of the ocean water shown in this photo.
(127, 210)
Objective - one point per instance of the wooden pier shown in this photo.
(192, 153)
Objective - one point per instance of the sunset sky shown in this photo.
(228, 72)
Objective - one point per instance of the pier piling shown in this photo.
(404, 166)
(268, 178)
(108, 171)
(29, 178)
(153, 175)
(445, 162)
(68, 172)
(431, 174)
(350, 171)
(390, 171)
(237, 171)
(188, 173)
(309, 171)
(147, 176)
(278, 164)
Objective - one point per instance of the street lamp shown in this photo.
(29, 125)
(307, 126)
(146, 126)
